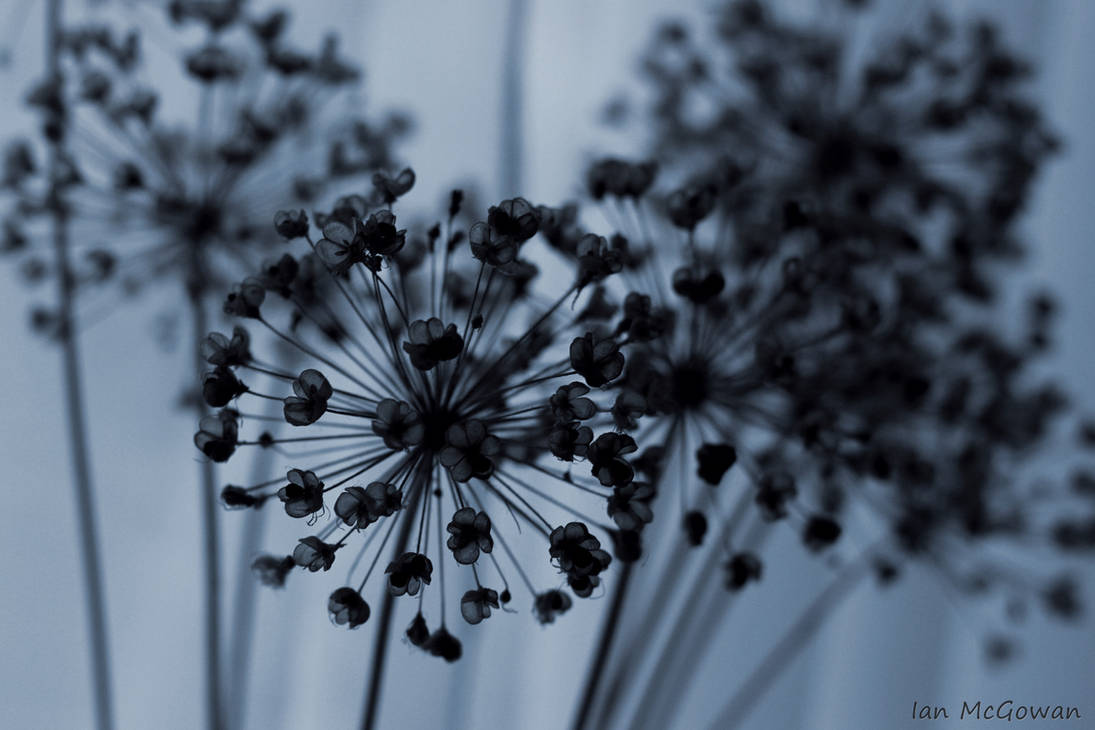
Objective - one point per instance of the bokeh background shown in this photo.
(443, 62)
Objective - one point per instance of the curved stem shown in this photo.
(604, 646)
(211, 542)
(86, 523)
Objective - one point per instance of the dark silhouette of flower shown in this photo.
(689, 205)
(578, 554)
(642, 321)
(310, 402)
(606, 457)
(217, 435)
(314, 554)
(820, 532)
(303, 495)
(347, 608)
(446, 387)
(620, 178)
(1061, 597)
(220, 386)
(379, 233)
(550, 604)
(713, 461)
(398, 424)
(774, 490)
(468, 450)
(515, 219)
(432, 342)
(221, 351)
(291, 223)
(629, 506)
(246, 300)
(568, 404)
(392, 188)
(491, 246)
(599, 258)
(476, 605)
(570, 440)
(469, 533)
(407, 573)
(598, 362)
(341, 247)
(278, 276)
(695, 526)
(361, 507)
(418, 633)
(443, 644)
(628, 407)
(234, 497)
(272, 570)
(741, 569)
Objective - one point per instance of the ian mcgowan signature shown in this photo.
(1007, 710)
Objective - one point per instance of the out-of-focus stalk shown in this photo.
(195, 288)
(211, 538)
(604, 646)
(244, 603)
(791, 644)
(511, 152)
(74, 403)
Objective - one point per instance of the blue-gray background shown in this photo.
(442, 61)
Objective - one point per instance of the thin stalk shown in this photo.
(510, 162)
(77, 420)
(380, 650)
(694, 619)
(604, 647)
(667, 586)
(792, 643)
(244, 603)
(511, 182)
(243, 614)
(211, 543)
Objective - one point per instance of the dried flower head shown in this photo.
(185, 187)
(431, 406)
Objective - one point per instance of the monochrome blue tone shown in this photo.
(442, 62)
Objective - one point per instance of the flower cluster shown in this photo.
(443, 400)
(830, 227)
(796, 388)
(808, 273)
(786, 320)
(159, 190)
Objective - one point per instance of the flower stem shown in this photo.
(244, 603)
(705, 606)
(604, 646)
(667, 585)
(790, 645)
(211, 544)
(510, 163)
(380, 649)
(77, 427)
